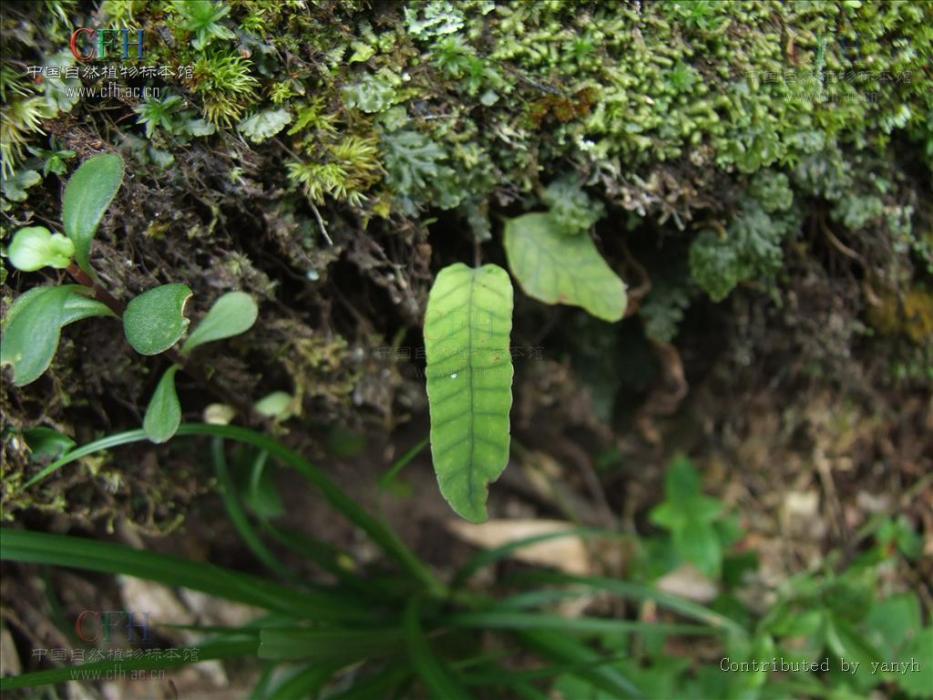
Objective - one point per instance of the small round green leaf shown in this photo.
(277, 405)
(559, 269)
(155, 320)
(87, 196)
(163, 415)
(36, 247)
(232, 314)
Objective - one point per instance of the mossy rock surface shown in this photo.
(759, 173)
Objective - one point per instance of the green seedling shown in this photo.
(153, 322)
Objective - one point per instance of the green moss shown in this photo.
(726, 134)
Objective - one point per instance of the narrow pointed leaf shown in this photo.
(319, 604)
(88, 194)
(78, 306)
(559, 269)
(437, 677)
(163, 416)
(33, 327)
(204, 651)
(563, 648)
(155, 320)
(238, 517)
(469, 382)
(378, 531)
(329, 644)
(232, 314)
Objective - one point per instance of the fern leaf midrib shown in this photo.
(472, 432)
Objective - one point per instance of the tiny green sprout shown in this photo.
(277, 405)
(36, 247)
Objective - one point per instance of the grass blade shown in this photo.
(527, 691)
(326, 644)
(439, 680)
(101, 445)
(331, 559)
(635, 591)
(567, 650)
(304, 684)
(381, 685)
(497, 676)
(485, 677)
(340, 501)
(388, 479)
(498, 619)
(238, 515)
(106, 557)
(97, 669)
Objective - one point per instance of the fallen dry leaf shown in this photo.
(565, 553)
(689, 582)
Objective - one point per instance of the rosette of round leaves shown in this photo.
(153, 322)
(33, 325)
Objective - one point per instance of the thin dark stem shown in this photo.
(100, 294)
